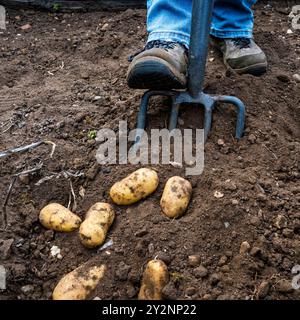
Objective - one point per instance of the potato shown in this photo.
(93, 229)
(56, 217)
(79, 283)
(176, 196)
(136, 186)
(155, 278)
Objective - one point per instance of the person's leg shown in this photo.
(232, 28)
(169, 20)
(232, 19)
(163, 61)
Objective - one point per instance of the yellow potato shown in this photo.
(79, 283)
(136, 186)
(56, 217)
(155, 278)
(93, 229)
(176, 196)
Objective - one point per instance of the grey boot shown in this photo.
(242, 55)
(160, 65)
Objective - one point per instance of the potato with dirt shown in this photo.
(94, 228)
(138, 185)
(56, 217)
(176, 197)
(155, 278)
(79, 283)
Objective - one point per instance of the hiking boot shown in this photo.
(160, 65)
(242, 55)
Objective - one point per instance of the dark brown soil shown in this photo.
(49, 76)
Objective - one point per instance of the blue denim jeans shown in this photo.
(171, 19)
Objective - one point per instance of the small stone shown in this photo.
(105, 27)
(252, 138)
(263, 289)
(296, 77)
(255, 221)
(164, 256)
(218, 194)
(97, 298)
(284, 286)
(5, 248)
(245, 247)
(190, 291)
(288, 233)
(207, 296)
(215, 279)
(222, 261)
(230, 185)
(235, 202)
(289, 31)
(221, 142)
(280, 221)
(25, 26)
(200, 272)
(84, 74)
(141, 233)
(27, 289)
(194, 260)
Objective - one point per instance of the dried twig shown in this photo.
(73, 195)
(28, 147)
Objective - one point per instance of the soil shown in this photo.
(50, 74)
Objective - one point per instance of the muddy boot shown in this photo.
(242, 55)
(160, 65)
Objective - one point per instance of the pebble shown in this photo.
(252, 138)
(190, 291)
(5, 248)
(263, 289)
(245, 247)
(288, 233)
(215, 279)
(284, 286)
(194, 260)
(222, 261)
(218, 194)
(164, 256)
(296, 77)
(141, 233)
(27, 288)
(25, 26)
(280, 221)
(200, 272)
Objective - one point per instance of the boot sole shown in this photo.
(255, 70)
(155, 73)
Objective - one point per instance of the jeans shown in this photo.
(171, 19)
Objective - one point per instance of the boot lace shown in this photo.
(242, 43)
(155, 44)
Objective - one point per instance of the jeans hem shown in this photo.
(231, 34)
